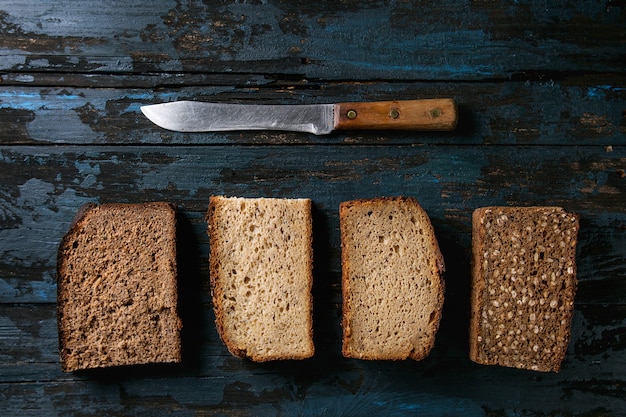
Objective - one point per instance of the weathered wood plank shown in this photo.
(337, 40)
(28, 339)
(283, 396)
(590, 383)
(575, 110)
(42, 187)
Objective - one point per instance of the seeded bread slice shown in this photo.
(523, 286)
(391, 279)
(117, 287)
(261, 260)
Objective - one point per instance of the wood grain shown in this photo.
(574, 111)
(540, 89)
(332, 40)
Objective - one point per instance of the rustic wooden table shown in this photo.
(541, 88)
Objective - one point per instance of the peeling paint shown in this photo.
(41, 216)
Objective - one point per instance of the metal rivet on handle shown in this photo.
(394, 113)
(436, 112)
(351, 114)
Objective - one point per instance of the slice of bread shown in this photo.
(261, 267)
(523, 286)
(117, 287)
(391, 279)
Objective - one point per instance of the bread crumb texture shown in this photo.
(117, 289)
(524, 284)
(391, 279)
(261, 261)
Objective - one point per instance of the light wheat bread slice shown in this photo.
(117, 287)
(523, 286)
(392, 282)
(261, 261)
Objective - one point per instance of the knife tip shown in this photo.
(148, 112)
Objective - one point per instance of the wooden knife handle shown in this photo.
(428, 114)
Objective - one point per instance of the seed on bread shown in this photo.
(523, 286)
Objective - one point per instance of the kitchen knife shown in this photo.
(319, 119)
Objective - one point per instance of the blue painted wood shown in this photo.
(541, 93)
(44, 187)
(575, 110)
(333, 40)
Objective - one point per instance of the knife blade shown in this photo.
(195, 116)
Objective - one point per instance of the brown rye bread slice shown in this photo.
(523, 286)
(117, 287)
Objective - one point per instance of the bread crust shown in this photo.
(62, 300)
(65, 300)
(217, 292)
(480, 351)
(478, 283)
(438, 271)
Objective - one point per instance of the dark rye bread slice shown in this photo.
(392, 282)
(261, 268)
(117, 287)
(523, 286)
